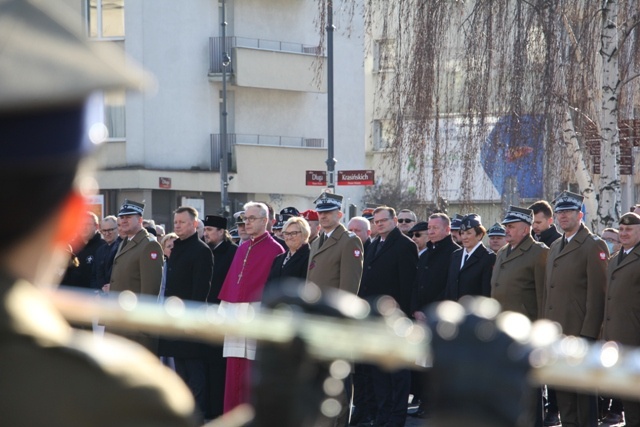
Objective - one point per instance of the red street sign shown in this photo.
(317, 178)
(364, 177)
(164, 182)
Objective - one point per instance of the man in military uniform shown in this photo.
(517, 281)
(456, 221)
(497, 237)
(622, 304)
(574, 293)
(137, 266)
(53, 375)
(336, 256)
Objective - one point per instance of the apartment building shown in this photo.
(164, 147)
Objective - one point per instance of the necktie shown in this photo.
(380, 243)
(464, 261)
(621, 256)
(323, 237)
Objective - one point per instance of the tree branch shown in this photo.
(629, 79)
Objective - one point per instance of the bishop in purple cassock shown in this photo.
(242, 291)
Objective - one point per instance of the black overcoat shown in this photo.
(475, 276)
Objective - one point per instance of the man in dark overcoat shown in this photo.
(189, 271)
(433, 265)
(389, 269)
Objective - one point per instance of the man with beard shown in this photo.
(219, 241)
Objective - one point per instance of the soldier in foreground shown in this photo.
(51, 374)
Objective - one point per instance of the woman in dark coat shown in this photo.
(294, 262)
(473, 277)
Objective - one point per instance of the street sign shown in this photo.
(317, 178)
(164, 182)
(356, 177)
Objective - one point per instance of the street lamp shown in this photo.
(331, 161)
(224, 158)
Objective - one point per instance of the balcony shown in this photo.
(234, 139)
(267, 64)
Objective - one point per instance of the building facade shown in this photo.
(164, 146)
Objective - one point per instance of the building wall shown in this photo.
(168, 131)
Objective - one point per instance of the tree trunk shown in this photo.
(609, 187)
(581, 166)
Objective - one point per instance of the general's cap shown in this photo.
(630, 218)
(280, 220)
(129, 207)
(290, 211)
(368, 213)
(568, 201)
(456, 221)
(239, 217)
(516, 214)
(328, 202)
(496, 230)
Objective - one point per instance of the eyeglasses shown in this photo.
(405, 220)
(252, 218)
(381, 220)
(286, 234)
(416, 234)
(107, 230)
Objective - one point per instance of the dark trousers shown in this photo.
(631, 413)
(391, 390)
(216, 374)
(194, 373)
(577, 410)
(363, 398)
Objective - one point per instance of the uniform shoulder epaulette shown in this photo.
(151, 238)
(595, 237)
(351, 234)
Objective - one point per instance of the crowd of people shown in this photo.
(60, 376)
(529, 266)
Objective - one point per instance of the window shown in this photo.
(114, 114)
(105, 19)
(105, 24)
(382, 134)
(384, 55)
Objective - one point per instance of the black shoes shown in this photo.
(551, 419)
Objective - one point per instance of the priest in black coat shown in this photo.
(223, 249)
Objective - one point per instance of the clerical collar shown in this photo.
(255, 241)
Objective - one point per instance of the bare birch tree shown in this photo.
(559, 71)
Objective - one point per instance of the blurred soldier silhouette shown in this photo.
(51, 374)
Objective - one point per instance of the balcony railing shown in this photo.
(234, 139)
(218, 46)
